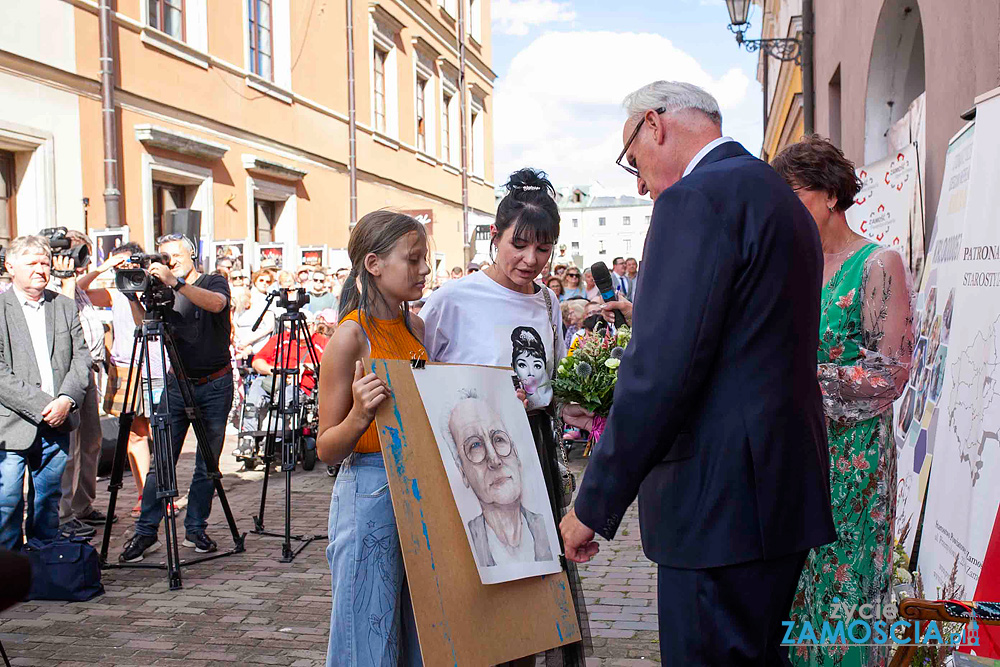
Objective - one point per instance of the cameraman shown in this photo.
(126, 315)
(77, 513)
(199, 322)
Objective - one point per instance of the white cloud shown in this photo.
(559, 106)
(515, 17)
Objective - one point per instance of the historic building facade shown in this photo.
(876, 62)
(240, 111)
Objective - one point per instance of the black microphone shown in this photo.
(602, 278)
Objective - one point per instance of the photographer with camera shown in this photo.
(44, 374)
(77, 514)
(199, 320)
(126, 314)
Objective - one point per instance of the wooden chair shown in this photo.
(942, 611)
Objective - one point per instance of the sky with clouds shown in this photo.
(564, 66)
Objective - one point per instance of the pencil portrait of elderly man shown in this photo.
(487, 456)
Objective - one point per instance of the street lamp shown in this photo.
(783, 48)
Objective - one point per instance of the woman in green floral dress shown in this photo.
(866, 341)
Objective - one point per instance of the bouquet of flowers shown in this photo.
(588, 374)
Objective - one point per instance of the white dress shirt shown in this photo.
(34, 315)
(709, 147)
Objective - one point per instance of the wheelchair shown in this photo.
(253, 433)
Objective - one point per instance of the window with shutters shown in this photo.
(380, 58)
(421, 114)
(261, 50)
(167, 16)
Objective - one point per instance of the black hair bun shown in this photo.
(529, 180)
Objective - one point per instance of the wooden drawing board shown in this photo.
(460, 621)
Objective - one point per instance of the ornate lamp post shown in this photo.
(785, 49)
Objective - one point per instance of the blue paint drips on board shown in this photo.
(559, 630)
(397, 445)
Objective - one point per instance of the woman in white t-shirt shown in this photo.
(500, 317)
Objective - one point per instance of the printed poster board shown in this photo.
(917, 410)
(338, 258)
(883, 209)
(105, 242)
(271, 255)
(961, 526)
(231, 250)
(312, 256)
(460, 620)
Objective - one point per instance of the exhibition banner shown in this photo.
(916, 411)
(883, 210)
(963, 494)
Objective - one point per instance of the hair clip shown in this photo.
(527, 187)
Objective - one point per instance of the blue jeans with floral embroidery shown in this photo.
(371, 622)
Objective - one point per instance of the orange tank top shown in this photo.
(389, 339)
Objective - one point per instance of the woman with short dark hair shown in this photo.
(866, 341)
(501, 315)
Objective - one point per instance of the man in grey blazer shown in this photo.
(44, 372)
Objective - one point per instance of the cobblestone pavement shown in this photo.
(252, 609)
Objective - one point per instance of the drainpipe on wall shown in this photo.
(112, 193)
(464, 130)
(352, 120)
(808, 86)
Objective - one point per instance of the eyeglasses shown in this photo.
(475, 448)
(629, 168)
(572, 275)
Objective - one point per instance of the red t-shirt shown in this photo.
(269, 354)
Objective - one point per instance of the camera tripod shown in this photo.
(164, 464)
(285, 413)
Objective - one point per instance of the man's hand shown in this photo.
(577, 416)
(55, 412)
(65, 266)
(163, 272)
(63, 263)
(621, 305)
(577, 539)
(113, 261)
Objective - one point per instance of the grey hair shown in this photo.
(463, 395)
(28, 243)
(674, 96)
(185, 241)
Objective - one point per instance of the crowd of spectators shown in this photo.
(104, 329)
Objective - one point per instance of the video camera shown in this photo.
(63, 247)
(141, 283)
(289, 302)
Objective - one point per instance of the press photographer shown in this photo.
(199, 319)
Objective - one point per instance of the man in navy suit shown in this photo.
(718, 421)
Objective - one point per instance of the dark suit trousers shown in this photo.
(727, 616)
